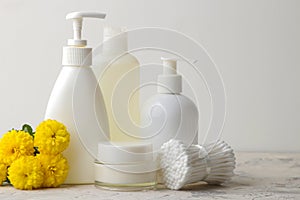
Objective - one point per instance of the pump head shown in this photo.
(170, 65)
(169, 82)
(77, 18)
(76, 53)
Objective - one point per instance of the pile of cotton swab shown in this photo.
(182, 165)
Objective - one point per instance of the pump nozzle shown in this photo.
(76, 53)
(77, 18)
(170, 65)
(169, 81)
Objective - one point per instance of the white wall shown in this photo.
(256, 45)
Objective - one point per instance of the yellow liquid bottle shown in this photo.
(118, 75)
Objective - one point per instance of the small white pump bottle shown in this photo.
(76, 101)
(168, 114)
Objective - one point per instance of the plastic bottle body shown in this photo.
(118, 77)
(168, 116)
(80, 117)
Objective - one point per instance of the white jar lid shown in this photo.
(124, 152)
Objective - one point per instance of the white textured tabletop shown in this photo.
(258, 176)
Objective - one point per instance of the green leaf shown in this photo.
(27, 128)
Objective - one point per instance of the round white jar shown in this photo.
(125, 166)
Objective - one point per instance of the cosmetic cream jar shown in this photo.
(125, 166)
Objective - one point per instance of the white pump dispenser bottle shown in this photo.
(168, 114)
(76, 101)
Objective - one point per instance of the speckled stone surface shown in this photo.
(258, 176)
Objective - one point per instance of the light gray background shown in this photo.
(255, 43)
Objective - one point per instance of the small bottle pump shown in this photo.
(169, 81)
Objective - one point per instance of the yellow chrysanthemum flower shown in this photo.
(3, 172)
(55, 169)
(26, 173)
(51, 137)
(15, 144)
